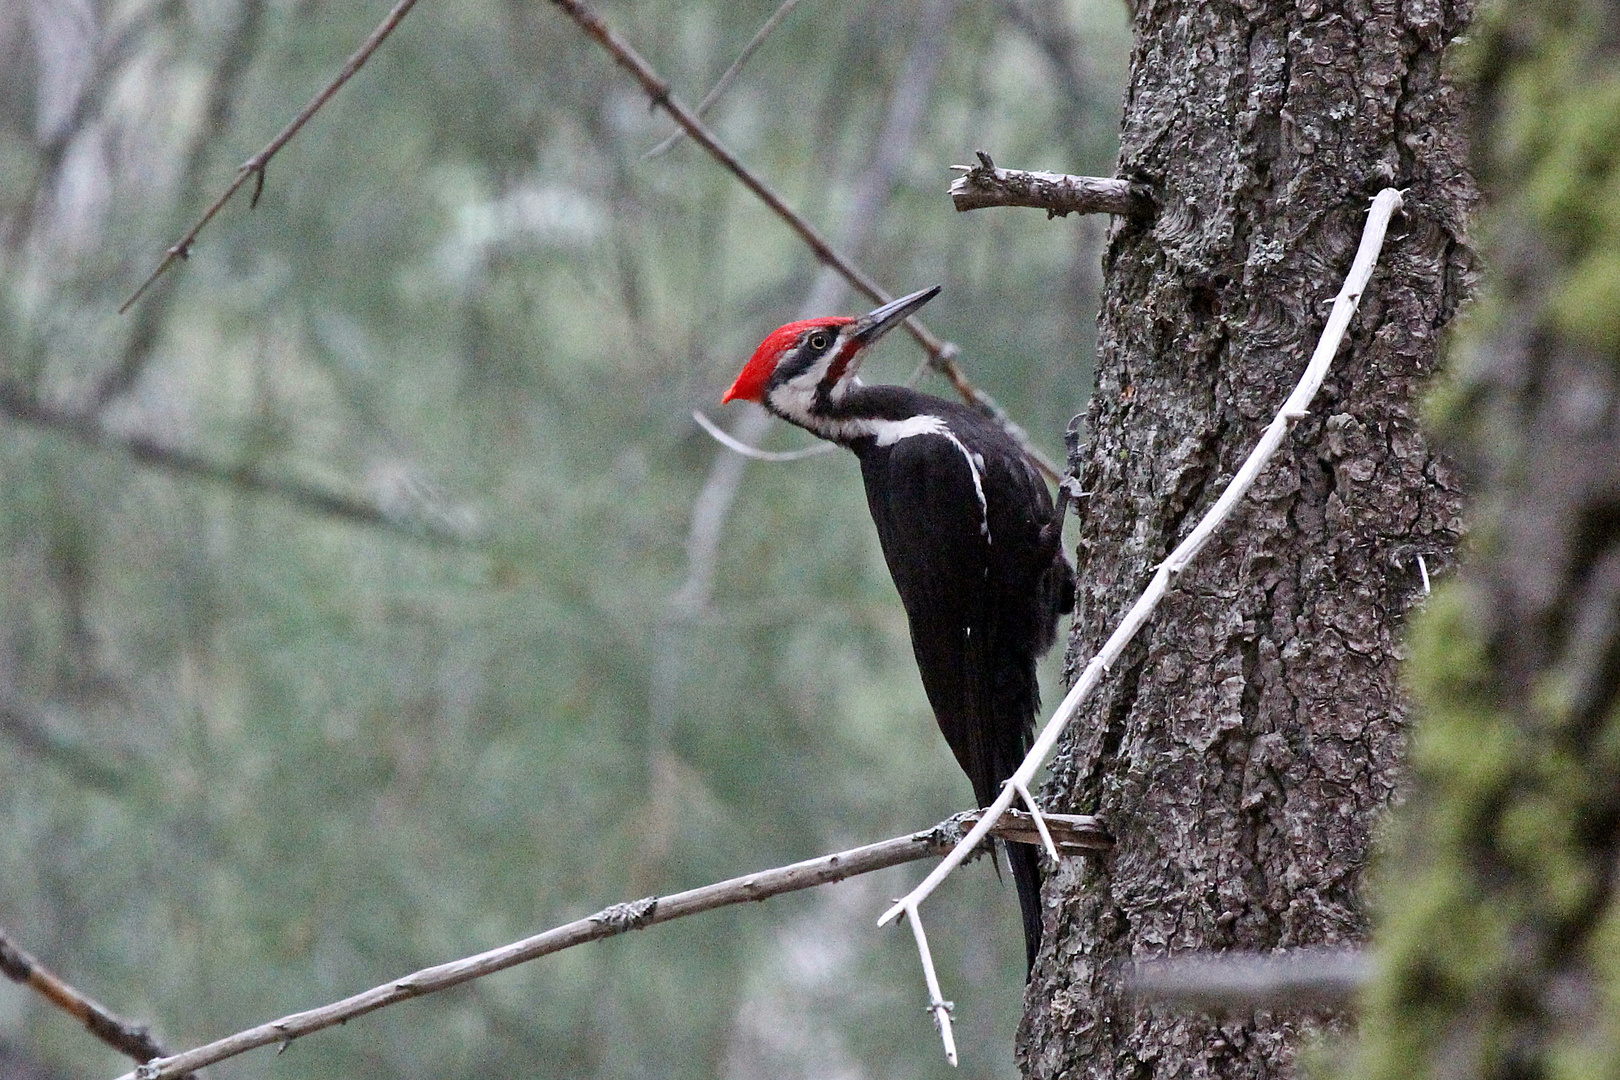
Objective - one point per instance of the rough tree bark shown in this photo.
(1247, 746)
(1500, 919)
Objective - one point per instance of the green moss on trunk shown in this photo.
(1498, 941)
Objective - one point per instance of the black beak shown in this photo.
(874, 324)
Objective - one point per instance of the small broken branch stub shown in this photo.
(1059, 194)
(1073, 834)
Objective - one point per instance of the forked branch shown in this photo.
(253, 168)
(1384, 206)
(1076, 831)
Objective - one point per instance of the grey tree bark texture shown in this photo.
(1245, 749)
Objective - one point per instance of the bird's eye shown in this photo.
(819, 341)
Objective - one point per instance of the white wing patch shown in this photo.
(889, 432)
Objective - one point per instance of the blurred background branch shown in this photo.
(246, 477)
(223, 87)
(1310, 978)
(255, 754)
(132, 1040)
(255, 166)
(727, 77)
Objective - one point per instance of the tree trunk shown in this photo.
(1245, 748)
(1500, 916)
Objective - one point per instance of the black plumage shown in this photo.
(982, 607)
(968, 530)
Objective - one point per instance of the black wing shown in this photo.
(979, 570)
(930, 522)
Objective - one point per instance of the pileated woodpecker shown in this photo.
(968, 529)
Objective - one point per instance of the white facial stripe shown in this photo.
(796, 400)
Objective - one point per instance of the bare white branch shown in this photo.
(1040, 821)
(1383, 208)
(725, 439)
(936, 1001)
(1423, 568)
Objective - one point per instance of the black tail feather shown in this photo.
(1025, 860)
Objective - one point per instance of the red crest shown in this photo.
(750, 384)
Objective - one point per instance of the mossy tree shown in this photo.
(1501, 925)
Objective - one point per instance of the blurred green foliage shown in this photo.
(255, 757)
(1495, 881)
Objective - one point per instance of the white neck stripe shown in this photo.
(889, 432)
(794, 400)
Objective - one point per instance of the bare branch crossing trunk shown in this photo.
(1247, 744)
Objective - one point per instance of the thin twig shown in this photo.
(658, 90)
(724, 82)
(1040, 822)
(219, 95)
(255, 165)
(1383, 207)
(724, 438)
(937, 1005)
(88, 431)
(132, 1040)
(606, 923)
(1310, 977)
(1059, 194)
(941, 354)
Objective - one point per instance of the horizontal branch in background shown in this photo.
(1072, 831)
(941, 354)
(1295, 408)
(129, 1039)
(1058, 194)
(737, 446)
(255, 165)
(28, 730)
(1218, 982)
(89, 431)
